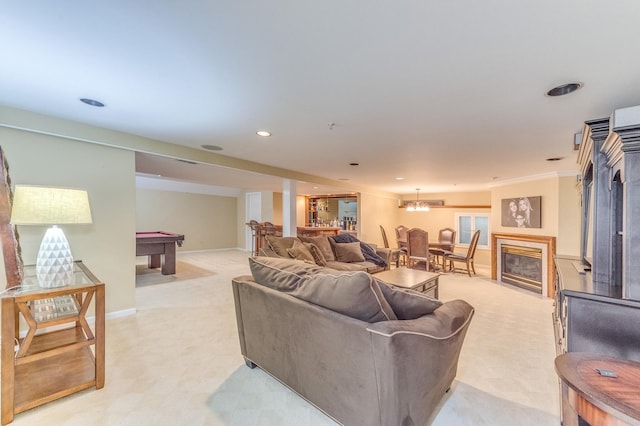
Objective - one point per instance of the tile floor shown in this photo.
(177, 361)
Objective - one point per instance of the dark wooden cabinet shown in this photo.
(593, 317)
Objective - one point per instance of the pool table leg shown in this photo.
(169, 265)
(154, 261)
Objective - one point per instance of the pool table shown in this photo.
(158, 244)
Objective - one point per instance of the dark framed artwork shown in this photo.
(521, 212)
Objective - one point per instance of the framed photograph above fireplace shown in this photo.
(521, 212)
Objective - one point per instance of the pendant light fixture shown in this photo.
(417, 205)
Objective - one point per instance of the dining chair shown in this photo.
(254, 225)
(269, 228)
(445, 245)
(395, 253)
(401, 240)
(466, 258)
(419, 256)
(447, 239)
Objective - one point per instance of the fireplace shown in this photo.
(525, 261)
(522, 267)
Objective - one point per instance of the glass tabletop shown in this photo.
(30, 280)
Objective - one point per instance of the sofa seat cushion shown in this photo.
(322, 242)
(355, 266)
(408, 304)
(342, 266)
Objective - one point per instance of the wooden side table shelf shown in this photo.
(595, 398)
(48, 364)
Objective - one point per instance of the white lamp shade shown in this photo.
(39, 205)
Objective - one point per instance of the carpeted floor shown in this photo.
(177, 361)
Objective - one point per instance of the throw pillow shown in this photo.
(355, 294)
(349, 252)
(280, 244)
(282, 274)
(408, 304)
(323, 244)
(317, 254)
(368, 250)
(300, 252)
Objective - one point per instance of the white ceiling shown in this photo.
(449, 95)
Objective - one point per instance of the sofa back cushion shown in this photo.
(322, 242)
(280, 244)
(282, 274)
(355, 294)
(408, 304)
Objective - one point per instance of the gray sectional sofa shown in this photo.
(361, 351)
(324, 251)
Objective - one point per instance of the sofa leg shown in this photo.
(250, 364)
(448, 389)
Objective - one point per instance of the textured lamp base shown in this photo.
(54, 265)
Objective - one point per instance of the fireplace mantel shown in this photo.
(550, 243)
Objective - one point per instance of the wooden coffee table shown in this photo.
(413, 279)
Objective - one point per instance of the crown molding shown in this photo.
(532, 178)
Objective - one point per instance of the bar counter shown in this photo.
(313, 231)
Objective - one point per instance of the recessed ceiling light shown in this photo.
(212, 147)
(263, 133)
(399, 178)
(564, 89)
(92, 102)
(555, 158)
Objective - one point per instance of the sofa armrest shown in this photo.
(449, 319)
(420, 358)
(384, 253)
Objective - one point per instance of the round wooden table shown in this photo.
(597, 398)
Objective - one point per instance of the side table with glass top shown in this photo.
(55, 358)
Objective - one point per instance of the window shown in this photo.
(468, 223)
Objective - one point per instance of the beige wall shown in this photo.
(206, 221)
(560, 215)
(301, 210)
(375, 211)
(547, 188)
(569, 214)
(241, 227)
(277, 208)
(107, 246)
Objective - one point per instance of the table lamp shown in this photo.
(40, 205)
